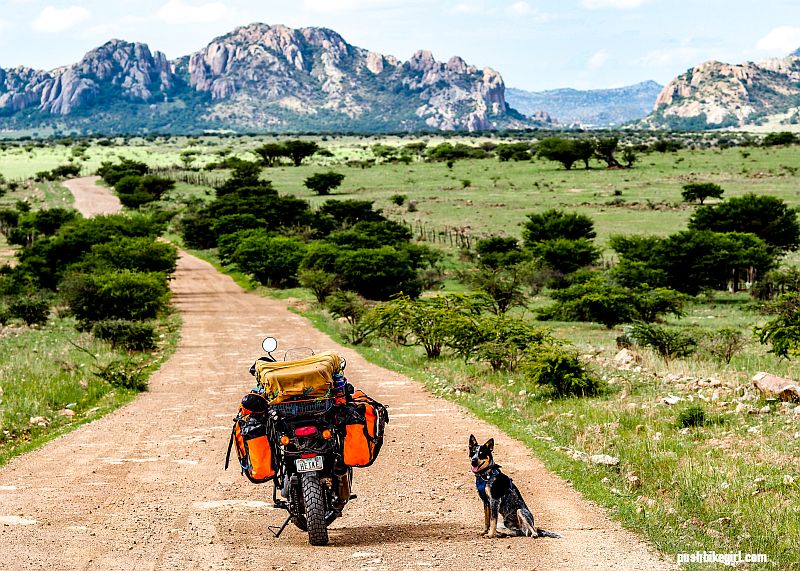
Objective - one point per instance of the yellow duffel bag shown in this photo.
(308, 378)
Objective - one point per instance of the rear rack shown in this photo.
(303, 407)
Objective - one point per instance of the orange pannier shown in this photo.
(365, 420)
(253, 447)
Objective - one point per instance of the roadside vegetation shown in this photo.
(606, 298)
(84, 314)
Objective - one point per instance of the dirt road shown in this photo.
(144, 488)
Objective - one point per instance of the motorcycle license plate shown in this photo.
(309, 464)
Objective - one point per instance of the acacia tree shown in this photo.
(298, 150)
(564, 151)
(700, 191)
(604, 150)
(270, 153)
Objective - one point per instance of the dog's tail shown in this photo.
(544, 533)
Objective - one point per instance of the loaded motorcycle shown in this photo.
(305, 428)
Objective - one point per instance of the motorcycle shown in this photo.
(308, 440)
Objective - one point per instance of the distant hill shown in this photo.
(257, 78)
(596, 107)
(715, 94)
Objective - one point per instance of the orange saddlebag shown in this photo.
(254, 449)
(364, 423)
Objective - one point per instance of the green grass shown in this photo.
(53, 368)
(501, 194)
(727, 486)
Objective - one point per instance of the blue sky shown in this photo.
(535, 44)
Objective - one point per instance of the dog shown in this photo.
(500, 497)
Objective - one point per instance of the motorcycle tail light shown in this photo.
(284, 440)
(305, 431)
(308, 455)
(327, 434)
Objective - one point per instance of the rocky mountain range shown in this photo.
(589, 108)
(715, 94)
(257, 78)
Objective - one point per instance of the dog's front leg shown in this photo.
(486, 516)
(493, 508)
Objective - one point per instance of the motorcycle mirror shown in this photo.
(269, 344)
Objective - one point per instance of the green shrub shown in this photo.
(323, 183)
(130, 335)
(561, 371)
(692, 415)
(378, 273)
(127, 295)
(349, 306)
(135, 254)
(124, 375)
(398, 199)
(320, 282)
(668, 343)
(32, 309)
(723, 344)
(112, 173)
(272, 260)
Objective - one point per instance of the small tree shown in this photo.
(320, 282)
(768, 217)
(564, 151)
(503, 285)
(323, 182)
(783, 331)
(724, 344)
(429, 322)
(298, 150)
(604, 150)
(552, 224)
(270, 153)
(700, 191)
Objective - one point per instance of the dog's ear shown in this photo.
(473, 442)
(490, 444)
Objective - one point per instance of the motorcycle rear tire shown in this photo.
(314, 502)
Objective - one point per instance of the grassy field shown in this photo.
(729, 485)
(488, 197)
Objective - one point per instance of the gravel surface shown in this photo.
(144, 488)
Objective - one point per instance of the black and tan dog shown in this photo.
(500, 496)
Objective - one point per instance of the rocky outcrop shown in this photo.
(721, 94)
(272, 77)
(119, 69)
(313, 70)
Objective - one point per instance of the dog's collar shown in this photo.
(490, 470)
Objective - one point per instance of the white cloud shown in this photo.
(180, 12)
(598, 60)
(683, 56)
(333, 6)
(52, 19)
(614, 4)
(521, 8)
(465, 8)
(781, 40)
